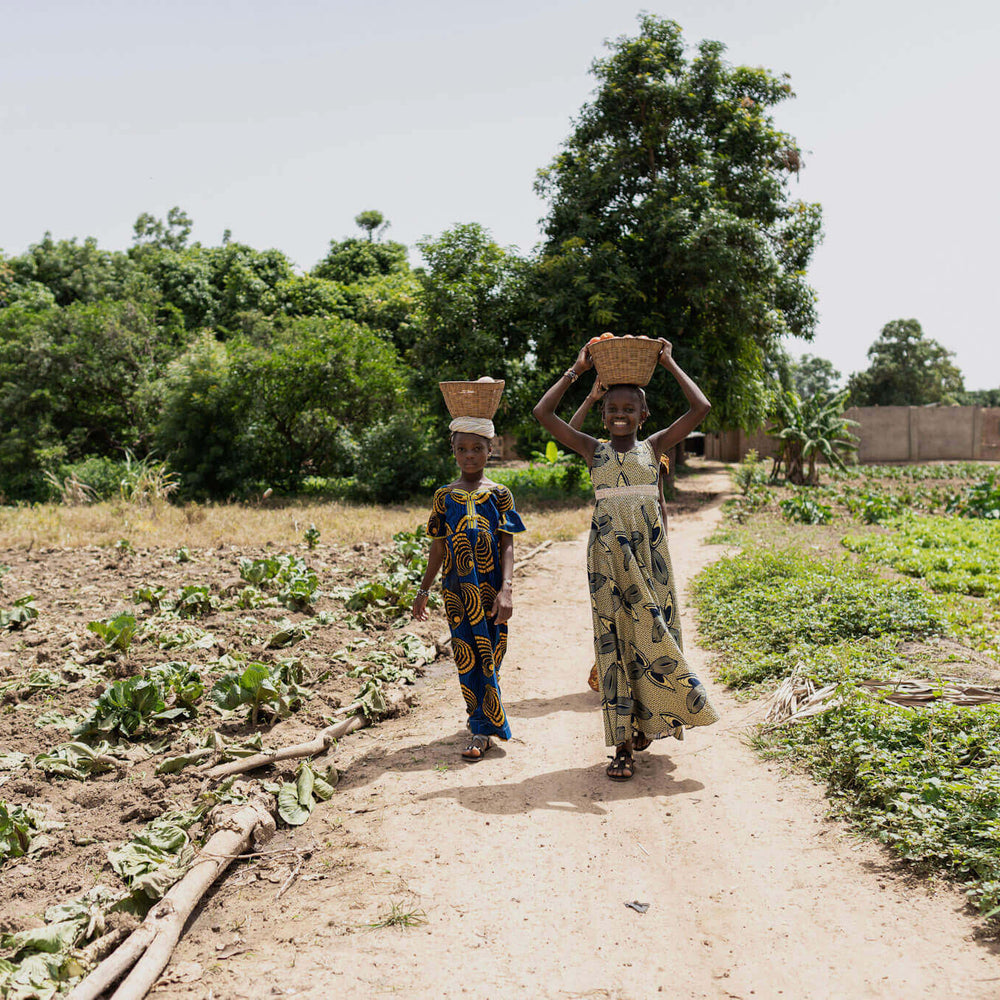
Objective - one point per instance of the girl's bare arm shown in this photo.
(596, 391)
(698, 407)
(503, 605)
(545, 412)
(434, 560)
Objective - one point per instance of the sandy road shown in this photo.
(522, 863)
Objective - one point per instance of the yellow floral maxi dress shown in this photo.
(646, 685)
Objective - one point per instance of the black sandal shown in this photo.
(623, 763)
(477, 747)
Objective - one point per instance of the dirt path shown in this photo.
(522, 863)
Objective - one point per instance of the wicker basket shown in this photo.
(625, 360)
(472, 399)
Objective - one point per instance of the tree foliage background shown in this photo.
(907, 369)
(670, 214)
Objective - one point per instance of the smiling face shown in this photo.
(624, 410)
(471, 452)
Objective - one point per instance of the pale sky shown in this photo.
(281, 121)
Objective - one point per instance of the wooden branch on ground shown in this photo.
(148, 949)
(531, 555)
(321, 742)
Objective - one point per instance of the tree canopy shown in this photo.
(907, 369)
(815, 377)
(670, 216)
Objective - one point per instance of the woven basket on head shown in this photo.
(472, 399)
(625, 360)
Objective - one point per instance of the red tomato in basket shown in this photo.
(593, 340)
(605, 336)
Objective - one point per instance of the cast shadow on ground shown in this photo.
(578, 789)
(573, 790)
(535, 708)
(443, 755)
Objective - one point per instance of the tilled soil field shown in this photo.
(53, 667)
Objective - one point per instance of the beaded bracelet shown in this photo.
(423, 593)
(571, 375)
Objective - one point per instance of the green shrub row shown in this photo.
(954, 555)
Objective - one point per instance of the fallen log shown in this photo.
(320, 743)
(148, 949)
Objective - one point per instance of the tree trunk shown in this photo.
(793, 464)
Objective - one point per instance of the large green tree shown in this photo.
(75, 382)
(472, 319)
(907, 369)
(670, 216)
(815, 377)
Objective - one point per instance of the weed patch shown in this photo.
(926, 783)
(767, 610)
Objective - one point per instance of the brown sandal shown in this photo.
(623, 764)
(477, 747)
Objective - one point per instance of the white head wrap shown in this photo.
(473, 425)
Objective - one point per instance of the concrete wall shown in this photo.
(894, 434)
(731, 446)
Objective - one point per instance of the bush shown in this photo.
(397, 458)
(750, 473)
(805, 509)
(201, 425)
(103, 475)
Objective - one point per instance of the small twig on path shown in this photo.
(291, 878)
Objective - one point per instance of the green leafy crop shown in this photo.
(117, 632)
(926, 783)
(806, 509)
(295, 585)
(765, 608)
(131, 705)
(274, 688)
(18, 826)
(17, 616)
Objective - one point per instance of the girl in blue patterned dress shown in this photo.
(472, 524)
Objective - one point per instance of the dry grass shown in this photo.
(201, 526)
(561, 524)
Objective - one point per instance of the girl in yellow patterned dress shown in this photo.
(647, 688)
(472, 524)
(597, 391)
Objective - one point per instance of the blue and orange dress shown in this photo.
(471, 525)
